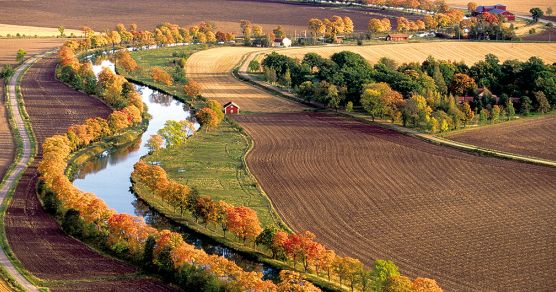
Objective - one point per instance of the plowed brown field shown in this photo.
(211, 68)
(102, 15)
(6, 139)
(9, 47)
(34, 236)
(531, 137)
(470, 222)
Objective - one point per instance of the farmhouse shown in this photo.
(498, 9)
(231, 108)
(397, 37)
(285, 42)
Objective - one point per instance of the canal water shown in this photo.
(108, 176)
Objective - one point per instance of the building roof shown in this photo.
(398, 35)
(229, 104)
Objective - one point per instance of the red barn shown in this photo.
(231, 108)
(397, 37)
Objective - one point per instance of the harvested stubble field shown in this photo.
(211, 68)
(470, 222)
(532, 137)
(32, 31)
(226, 14)
(469, 52)
(34, 236)
(9, 47)
(6, 138)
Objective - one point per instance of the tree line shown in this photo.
(435, 95)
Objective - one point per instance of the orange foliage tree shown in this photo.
(159, 75)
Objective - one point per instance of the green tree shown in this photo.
(542, 102)
(536, 13)
(510, 109)
(439, 80)
(148, 252)
(254, 66)
(333, 97)
(382, 271)
(349, 107)
(266, 237)
(20, 55)
(372, 103)
(6, 72)
(525, 105)
(305, 90)
(174, 133)
(495, 113)
(483, 115)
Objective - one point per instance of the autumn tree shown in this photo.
(206, 209)
(192, 89)
(216, 106)
(398, 284)
(378, 99)
(124, 59)
(208, 118)
(462, 84)
(293, 281)
(542, 101)
(471, 6)
(155, 142)
(243, 222)
(375, 26)
(402, 24)
(425, 285)
(159, 75)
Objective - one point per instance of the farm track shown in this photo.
(532, 137)
(211, 68)
(373, 193)
(34, 236)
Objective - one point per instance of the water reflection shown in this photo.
(107, 175)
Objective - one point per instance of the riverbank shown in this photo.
(170, 60)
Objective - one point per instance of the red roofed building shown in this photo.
(231, 108)
(498, 9)
(397, 37)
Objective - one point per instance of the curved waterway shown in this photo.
(108, 176)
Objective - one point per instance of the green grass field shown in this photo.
(164, 58)
(213, 163)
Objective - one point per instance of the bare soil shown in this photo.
(35, 237)
(473, 223)
(532, 137)
(9, 47)
(103, 15)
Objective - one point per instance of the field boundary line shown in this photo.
(26, 144)
(242, 75)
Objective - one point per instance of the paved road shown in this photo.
(12, 179)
